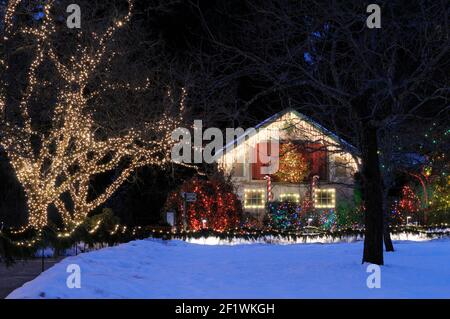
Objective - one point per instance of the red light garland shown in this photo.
(217, 206)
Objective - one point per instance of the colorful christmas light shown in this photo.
(293, 167)
(216, 207)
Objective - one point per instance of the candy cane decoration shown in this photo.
(314, 183)
(269, 188)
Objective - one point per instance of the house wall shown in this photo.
(341, 164)
(342, 193)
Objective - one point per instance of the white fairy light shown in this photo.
(71, 141)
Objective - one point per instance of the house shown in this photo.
(313, 163)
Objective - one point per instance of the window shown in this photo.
(254, 198)
(293, 165)
(319, 160)
(325, 198)
(261, 153)
(340, 165)
(290, 197)
(314, 161)
(237, 169)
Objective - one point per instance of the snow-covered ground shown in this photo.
(176, 269)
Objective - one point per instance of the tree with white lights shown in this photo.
(55, 160)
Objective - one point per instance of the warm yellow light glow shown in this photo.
(70, 154)
(324, 198)
(250, 203)
(290, 196)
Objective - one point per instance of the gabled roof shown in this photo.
(346, 145)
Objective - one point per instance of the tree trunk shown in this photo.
(386, 229)
(387, 236)
(373, 195)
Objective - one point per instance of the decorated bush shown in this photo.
(327, 218)
(249, 221)
(285, 215)
(349, 215)
(217, 206)
(291, 215)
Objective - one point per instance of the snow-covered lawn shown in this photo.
(176, 269)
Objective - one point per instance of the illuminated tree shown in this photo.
(425, 164)
(434, 174)
(441, 195)
(409, 202)
(293, 168)
(56, 165)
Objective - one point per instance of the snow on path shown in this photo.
(176, 269)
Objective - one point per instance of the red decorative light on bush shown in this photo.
(216, 207)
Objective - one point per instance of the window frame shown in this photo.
(340, 165)
(249, 203)
(287, 195)
(331, 202)
(242, 170)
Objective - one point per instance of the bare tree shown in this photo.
(357, 81)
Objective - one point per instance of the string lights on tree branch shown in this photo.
(70, 154)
